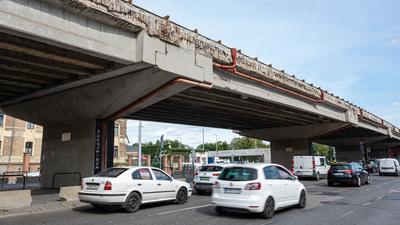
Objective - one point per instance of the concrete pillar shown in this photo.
(26, 162)
(348, 153)
(282, 151)
(379, 153)
(67, 147)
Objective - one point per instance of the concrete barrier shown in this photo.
(15, 199)
(69, 193)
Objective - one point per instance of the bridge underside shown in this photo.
(223, 109)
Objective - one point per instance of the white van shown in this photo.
(310, 166)
(389, 166)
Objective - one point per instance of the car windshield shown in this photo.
(341, 167)
(210, 168)
(111, 172)
(238, 174)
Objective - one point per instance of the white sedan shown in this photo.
(132, 186)
(258, 188)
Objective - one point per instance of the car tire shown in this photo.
(317, 177)
(133, 202)
(181, 196)
(302, 200)
(99, 207)
(330, 184)
(220, 210)
(368, 180)
(269, 209)
(380, 174)
(358, 182)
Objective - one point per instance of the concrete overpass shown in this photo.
(74, 66)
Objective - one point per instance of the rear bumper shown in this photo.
(202, 186)
(253, 204)
(104, 199)
(342, 179)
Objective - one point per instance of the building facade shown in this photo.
(19, 138)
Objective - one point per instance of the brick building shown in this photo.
(18, 137)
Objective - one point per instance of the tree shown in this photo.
(323, 150)
(222, 145)
(247, 143)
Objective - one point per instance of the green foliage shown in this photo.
(323, 150)
(247, 143)
(222, 145)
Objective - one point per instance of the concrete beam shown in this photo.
(55, 24)
(294, 132)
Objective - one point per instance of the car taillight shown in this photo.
(330, 171)
(313, 163)
(108, 186)
(216, 185)
(348, 171)
(196, 173)
(215, 174)
(253, 186)
(292, 169)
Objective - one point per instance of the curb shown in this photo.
(41, 208)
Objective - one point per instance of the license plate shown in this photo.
(339, 174)
(232, 191)
(205, 178)
(92, 187)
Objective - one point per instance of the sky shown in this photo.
(349, 47)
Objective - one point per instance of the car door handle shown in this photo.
(139, 184)
(158, 184)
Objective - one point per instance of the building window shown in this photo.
(28, 147)
(115, 151)
(1, 119)
(30, 125)
(116, 130)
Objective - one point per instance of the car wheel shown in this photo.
(380, 174)
(317, 177)
(220, 210)
(269, 209)
(302, 200)
(368, 180)
(99, 207)
(181, 196)
(358, 184)
(133, 202)
(330, 184)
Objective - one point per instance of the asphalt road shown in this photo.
(377, 203)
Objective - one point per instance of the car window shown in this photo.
(283, 174)
(271, 173)
(238, 174)
(160, 175)
(341, 167)
(322, 161)
(111, 172)
(210, 168)
(142, 174)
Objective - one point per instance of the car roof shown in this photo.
(255, 165)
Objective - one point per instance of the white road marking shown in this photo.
(185, 209)
(347, 214)
(367, 203)
(380, 198)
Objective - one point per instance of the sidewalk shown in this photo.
(42, 201)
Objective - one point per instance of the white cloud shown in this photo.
(396, 103)
(395, 41)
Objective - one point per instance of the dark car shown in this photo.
(370, 166)
(350, 173)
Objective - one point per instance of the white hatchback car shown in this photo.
(258, 188)
(132, 186)
(205, 177)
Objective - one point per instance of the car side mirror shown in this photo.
(171, 178)
(295, 178)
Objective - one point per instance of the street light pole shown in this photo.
(216, 144)
(140, 144)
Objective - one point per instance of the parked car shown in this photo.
(205, 177)
(389, 166)
(370, 166)
(350, 173)
(132, 186)
(310, 166)
(257, 188)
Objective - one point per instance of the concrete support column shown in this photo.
(348, 153)
(282, 151)
(379, 153)
(67, 147)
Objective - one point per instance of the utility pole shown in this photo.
(203, 139)
(216, 145)
(11, 145)
(140, 144)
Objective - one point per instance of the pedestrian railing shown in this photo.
(20, 173)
